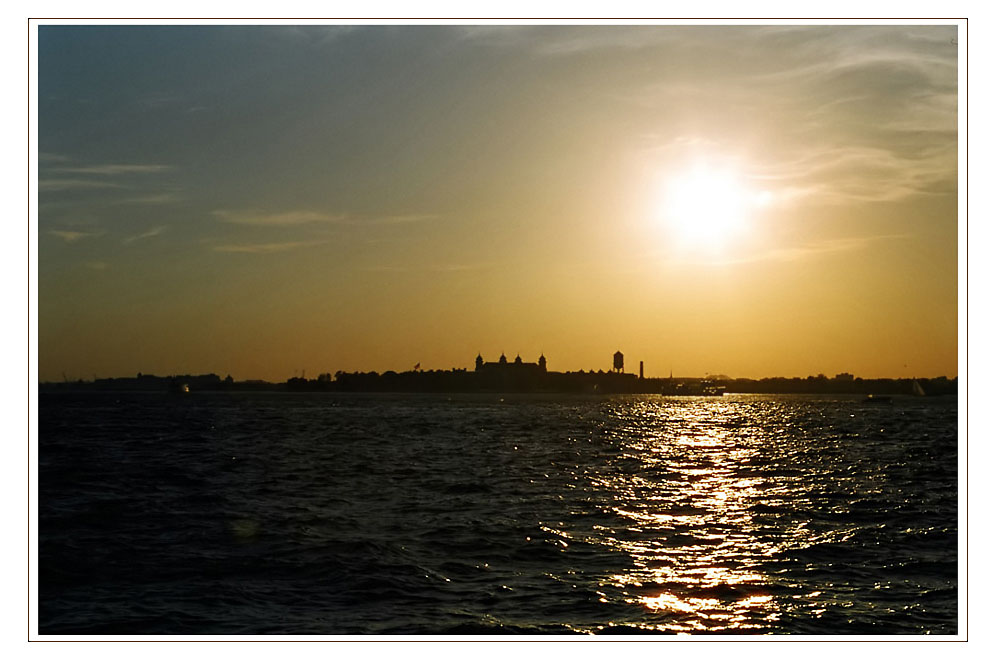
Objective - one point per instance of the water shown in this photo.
(486, 514)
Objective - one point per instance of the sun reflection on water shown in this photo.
(689, 533)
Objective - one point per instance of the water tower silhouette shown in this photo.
(617, 361)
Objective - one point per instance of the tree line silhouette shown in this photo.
(462, 380)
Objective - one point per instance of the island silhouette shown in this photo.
(519, 376)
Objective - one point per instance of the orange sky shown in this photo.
(254, 201)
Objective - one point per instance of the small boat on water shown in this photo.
(878, 399)
(179, 387)
(696, 389)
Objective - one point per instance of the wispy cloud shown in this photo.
(306, 217)
(55, 185)
(845, 244)
(155, 231)
(828, 169)
(265, 248)
(431, 268)
(153, 198)
(552, 41)
(794, 253)
(571, 41)
(398, 220)
(281, 219)
(299, 218)
(58, 174)
(861, 173)
(114, 169)
(316, 35)
(840, 114)
(72, 236)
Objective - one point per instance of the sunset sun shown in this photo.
(704, 206)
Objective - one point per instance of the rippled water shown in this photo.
(480, 514)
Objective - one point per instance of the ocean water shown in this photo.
(256, 513)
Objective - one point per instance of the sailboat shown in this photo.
(918, 389)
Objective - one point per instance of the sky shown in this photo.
(265, 200)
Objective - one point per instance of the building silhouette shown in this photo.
(517, 366)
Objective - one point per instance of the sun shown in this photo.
(706, 206)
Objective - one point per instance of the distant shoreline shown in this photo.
(463, 381)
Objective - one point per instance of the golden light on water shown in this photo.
(696, 550)
(669, 601)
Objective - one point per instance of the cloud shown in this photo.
(305, 217)
(153, 198)
(571, 41)
(265, 248)
(399, 220)
(845, 244)
(433, 268)
(282, 219)
(72, 236)
(155, 231)
(315, 35)
(835, 114)
(846, 174)
(114, 169)
(564, 40)
(55, 185)
(96, 177)
(796, 253)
